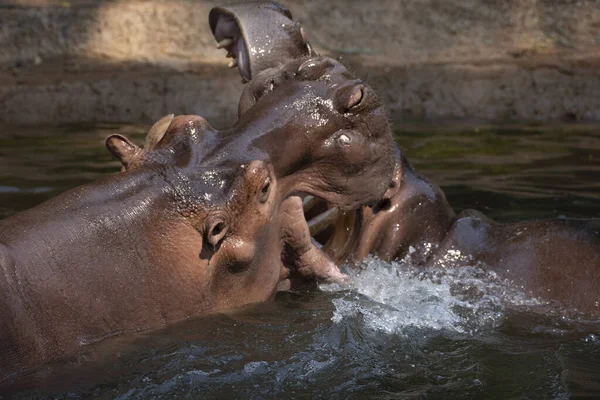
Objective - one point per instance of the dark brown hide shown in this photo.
(157, 244)
(555, 260)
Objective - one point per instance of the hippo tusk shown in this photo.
(225, 43)
(233, 63)
(322, 221)
(309, 202)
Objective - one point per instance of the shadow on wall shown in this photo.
(402, 31)
(149, 31)
(131, 61)
(136, 60)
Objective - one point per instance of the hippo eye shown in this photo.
(264, 191)
(355, 97)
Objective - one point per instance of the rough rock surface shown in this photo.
(136, 60)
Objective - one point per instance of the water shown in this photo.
(397, 333)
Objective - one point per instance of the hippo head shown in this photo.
(252, 245)
(242, 245)
(324, 131)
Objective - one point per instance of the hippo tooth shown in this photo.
(233, 63)
(322, 221)
(224, 43)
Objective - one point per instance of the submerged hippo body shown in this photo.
(557, 260)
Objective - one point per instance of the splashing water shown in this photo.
(394, 297)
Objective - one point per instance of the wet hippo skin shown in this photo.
(183, 230)
(557, 260)
(329, 136)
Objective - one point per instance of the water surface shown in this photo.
(397, 333)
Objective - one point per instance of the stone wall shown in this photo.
(136, 60)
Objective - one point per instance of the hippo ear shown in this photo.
(122, 148)
(157, 131)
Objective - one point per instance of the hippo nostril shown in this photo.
(218, 229)
(216, 232)
(355, 98)
(382, 205)
(313, 68)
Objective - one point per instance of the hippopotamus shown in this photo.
(200, 220)
(556, 260)
(162, 242)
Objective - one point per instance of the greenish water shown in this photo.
(395, 334)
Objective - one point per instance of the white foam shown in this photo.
(391, 297)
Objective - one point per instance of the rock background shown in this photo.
(136, 60)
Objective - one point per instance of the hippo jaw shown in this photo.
(333, 230)
(341, 233)
(253, 44)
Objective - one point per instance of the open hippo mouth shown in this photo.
(230, 37)
(328, 236)
(257, 36)
(333, 230)
(317, 239)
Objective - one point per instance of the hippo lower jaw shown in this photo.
(316, 238)
(230, 38)
(302, 256)
(257, 36)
